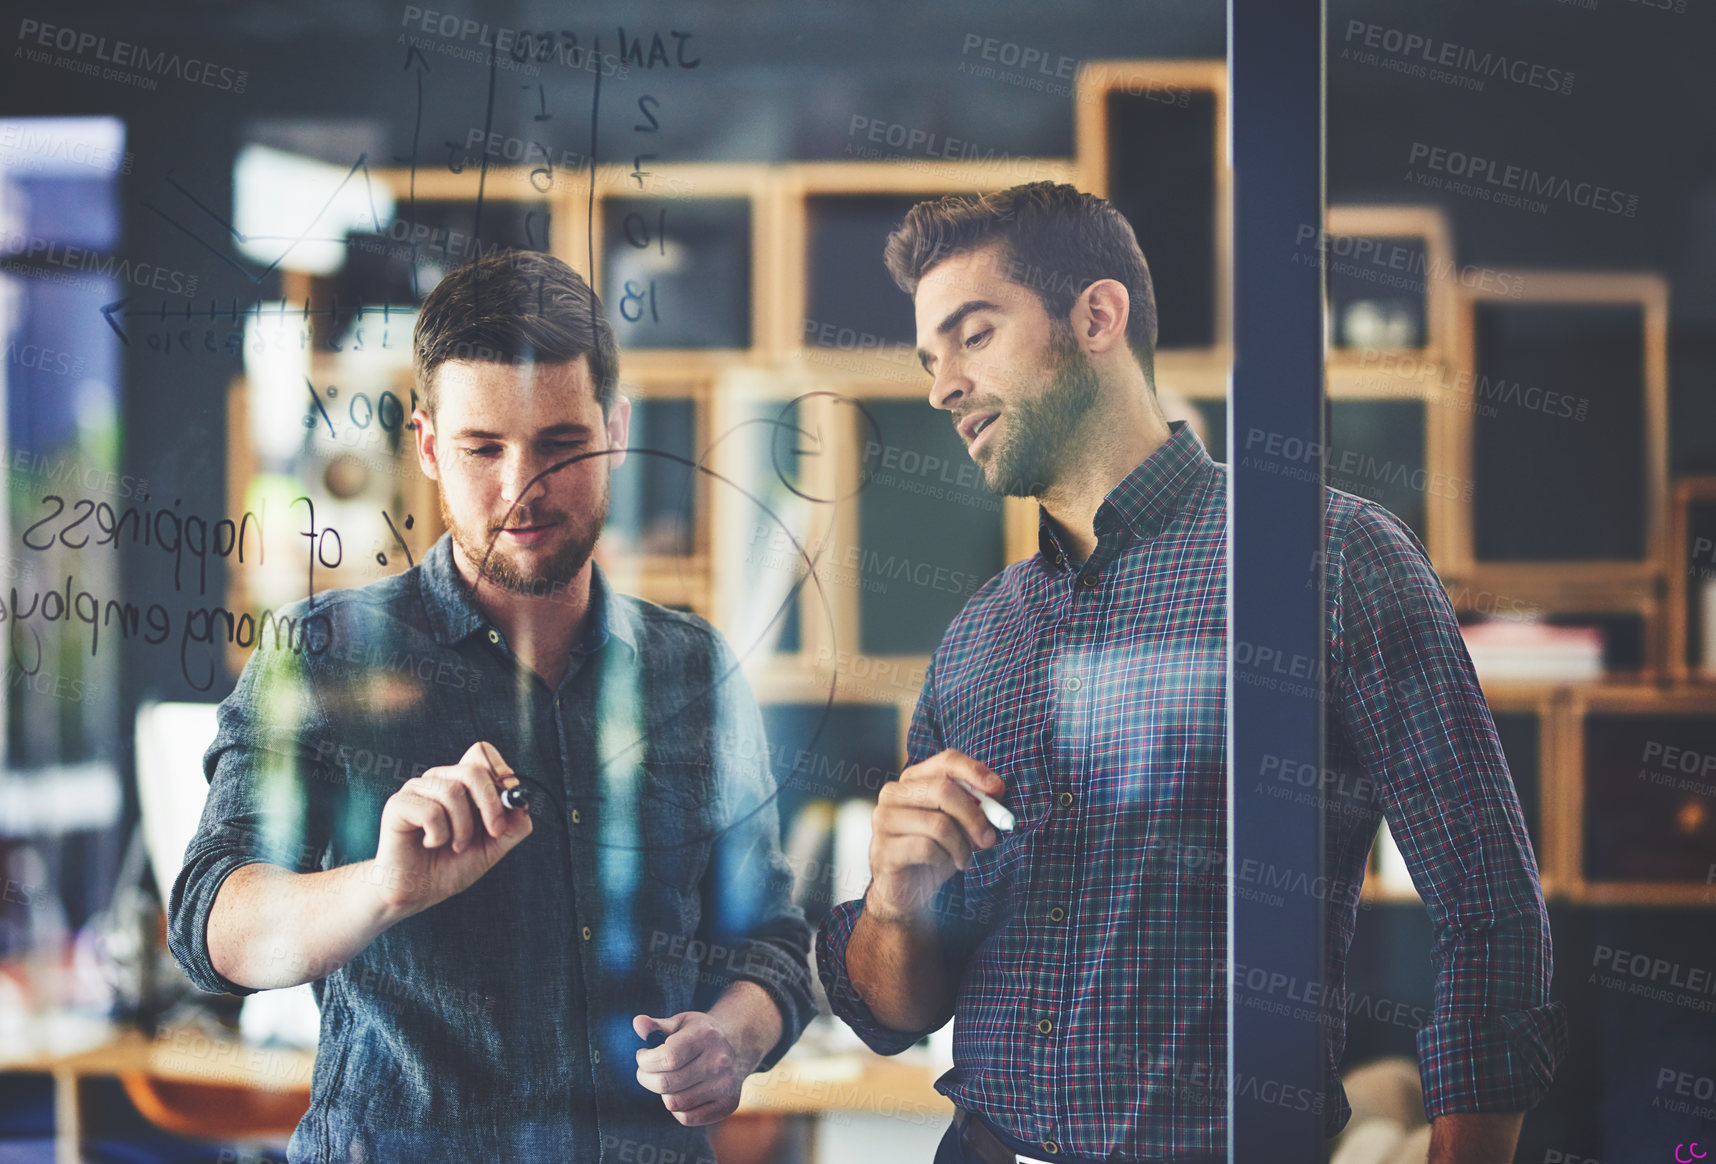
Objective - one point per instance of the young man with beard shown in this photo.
(486, 973)
(1082, 953)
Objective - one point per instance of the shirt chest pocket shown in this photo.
(990, 880)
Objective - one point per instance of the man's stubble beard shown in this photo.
(1041, 432)
(494, 564)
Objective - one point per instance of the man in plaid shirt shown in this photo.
(1082, 953)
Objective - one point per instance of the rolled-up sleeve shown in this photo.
(848, 1005)
(748, 912)
(959, 936)
(268, 801)
(1412, 710)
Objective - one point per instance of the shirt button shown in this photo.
(1057, 914)
(575, 818)
(586, 933)
(1065, 799)
(595, 1056)
(1090, 581)
(494, 636)
(1074, 683)
(1051, 1147)
(1045, 1026)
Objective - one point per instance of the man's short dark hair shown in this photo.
(513, 307)
(1056, 241)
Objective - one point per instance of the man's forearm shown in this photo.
(1475, 1137)
(753, 1022)
(898, 968)
(271, 927)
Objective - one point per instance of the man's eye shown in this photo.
(978, 337)
(481, 450)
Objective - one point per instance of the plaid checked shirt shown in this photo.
(1091, 1008)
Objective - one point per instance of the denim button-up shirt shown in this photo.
(497, 1024)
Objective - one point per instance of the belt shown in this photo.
(978, 1136)
(991, 1148)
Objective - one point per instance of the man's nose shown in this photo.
(518, 475)
(949, 387)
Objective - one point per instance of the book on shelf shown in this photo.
(1526, 649)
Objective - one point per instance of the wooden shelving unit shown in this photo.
(772, 488)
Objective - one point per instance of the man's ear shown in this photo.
(423, 432)
(619, 429)
(1099, 316)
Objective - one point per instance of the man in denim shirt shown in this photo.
(488, 975)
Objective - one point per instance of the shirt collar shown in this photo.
(1147, 498)
(455, 616)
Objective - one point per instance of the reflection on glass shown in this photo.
(763, 454)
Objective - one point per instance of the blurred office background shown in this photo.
(215, 223)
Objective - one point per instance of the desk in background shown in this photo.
(192, 1084)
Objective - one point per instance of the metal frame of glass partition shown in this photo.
(1275, 542)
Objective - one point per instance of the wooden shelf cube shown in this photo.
(1572, 376)
(1152, 138)
(1639, 805)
